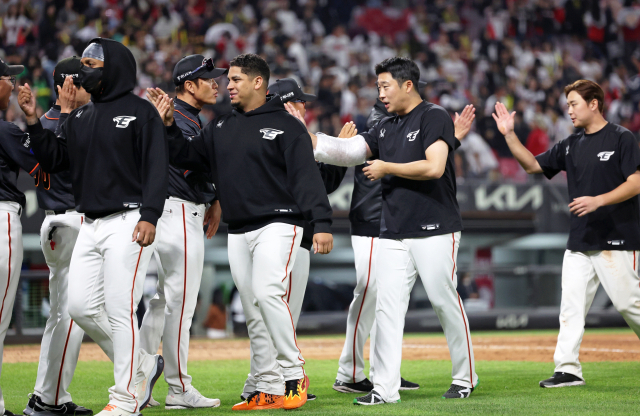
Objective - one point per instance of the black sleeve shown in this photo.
(17, 144)
(331, 176)
(553, 160)
(305, 184)
(49, 149)
(629, 154)
(154, 168)
(62, 118)
(436, 124)
(371, 137)
(189, 153)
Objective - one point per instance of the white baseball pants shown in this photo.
(62, 337)
(399, 262)
(10, 265)
(297, 286)
(260, 263)
(106, 279)
(582, 272)
(180, 258)
(362, 312)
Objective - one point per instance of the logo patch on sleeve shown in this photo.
(270, 134)
(122, 122)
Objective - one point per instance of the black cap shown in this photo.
(196, 66)
(67, 67)
(10, 70)
(289, 90)
(422, 84)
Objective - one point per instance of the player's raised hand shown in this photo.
(212, 219)
(27, 102)
(377, 169)
(504, 120)
(67, 95)
(463, 121)
(164, 105)
(348, 130)
(322, 243)
(154, 94)
(584, 205)
(144, 233)
(292, 110)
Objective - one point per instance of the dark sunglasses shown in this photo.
(304, 103)
(206, 63)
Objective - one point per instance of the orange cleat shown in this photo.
(260, 401)
(295, 393)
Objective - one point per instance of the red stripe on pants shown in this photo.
(133, 332)
(9, 275)
(64, 353)
(184, 293)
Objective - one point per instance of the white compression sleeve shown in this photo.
(340, 152)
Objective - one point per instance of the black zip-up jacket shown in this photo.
(366, 199)
(331, 176)
(188, 184)
(263, 167)
(115, 146)
(54, 192)
(14, 154)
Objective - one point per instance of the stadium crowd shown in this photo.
(521, 53)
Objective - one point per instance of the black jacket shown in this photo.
(263, 167)
(366, 199)
(115, 146)
(331, 176)
(187, 184)
(14, 154)
(54, 192)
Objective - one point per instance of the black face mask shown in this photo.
(91, 79)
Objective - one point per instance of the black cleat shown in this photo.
(28, 411)
(363, 386)
(458, 392)
(311, 396)
(8, 413)
(370, 399)
(407, 385)
(562, 380)
(65, 409)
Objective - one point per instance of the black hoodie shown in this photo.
(263, 166)
(115, 146)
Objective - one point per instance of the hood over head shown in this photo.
(119, 73)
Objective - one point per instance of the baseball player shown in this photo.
(62, 338)
(602, 161)
(420, 224)
(265, 201)
(366, 208)
(180, 249)
(116, 152)
(289, 91)
(14, 155)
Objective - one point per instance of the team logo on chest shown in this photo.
(270, 134)
(219, 123)
(122, 122)
(412, 136)
(605, 155)
(382, 132)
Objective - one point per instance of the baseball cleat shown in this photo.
(363, 386)
(153, 402)
(28, 411)
(295, 393)
(151, 369)
(65, 409)
(244, 396)
(190, 399)
(458, 392)
(7, 413)
(370, 399)
(113, 410)
(311, 397)
(408, 385)
(562, 380)
(259, 401)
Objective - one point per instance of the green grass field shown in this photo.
(505, 388)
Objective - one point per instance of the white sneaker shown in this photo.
(189, 399)
(112, 410)
(153, 402)
(149, 371)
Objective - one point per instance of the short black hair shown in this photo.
(252, 65)
(401, 69)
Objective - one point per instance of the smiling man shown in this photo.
(601, 161)
(420, 223)
(262, 163)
